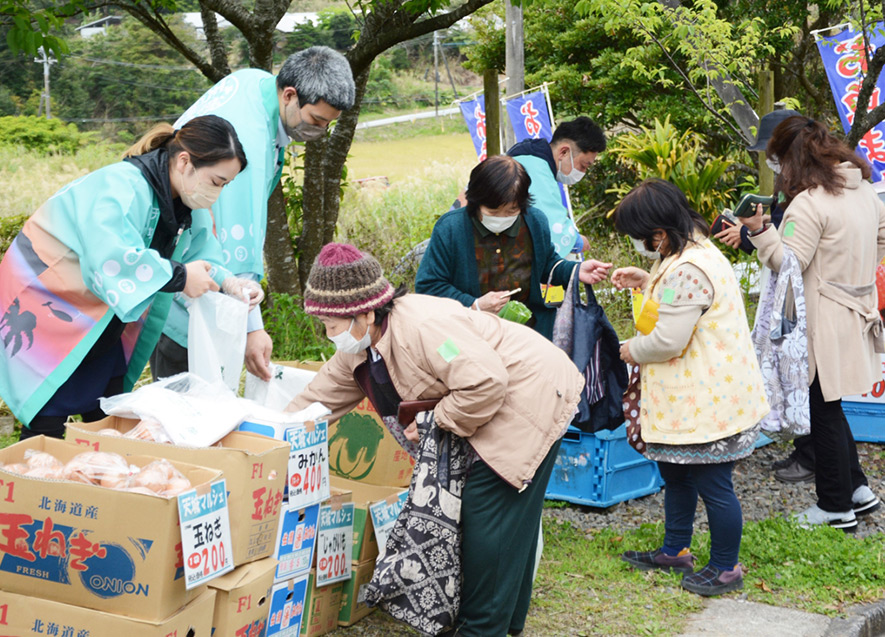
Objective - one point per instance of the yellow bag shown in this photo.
(645, 312)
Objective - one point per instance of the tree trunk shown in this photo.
(279, 257)
(323, 165)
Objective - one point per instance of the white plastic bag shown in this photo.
(285, 383)
(193, 412)
(216, 342)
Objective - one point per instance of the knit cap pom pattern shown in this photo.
(344, 282)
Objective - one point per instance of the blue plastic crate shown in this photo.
(867, 420)
(601, 469)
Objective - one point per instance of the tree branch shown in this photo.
(217, 50)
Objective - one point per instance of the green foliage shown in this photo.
(9, 227)
(29, 27)
(296, 335)
(40, 134)
(680, 158)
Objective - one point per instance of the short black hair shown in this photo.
(584, 132)
(656, 204)
(498, 181)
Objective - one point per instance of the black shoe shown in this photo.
(794, 473)
(783, 463)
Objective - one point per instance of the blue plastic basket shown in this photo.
(601, 469)
(867, 420)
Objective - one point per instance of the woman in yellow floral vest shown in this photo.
(702, 393)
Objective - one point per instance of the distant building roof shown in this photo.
(286, 24)
(101, 22)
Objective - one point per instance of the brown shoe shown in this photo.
(794, 473)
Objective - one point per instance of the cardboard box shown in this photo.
(353, 608)
(255, 468)
(360, 446)
(242, 599)
(321, 608)
(24, 615)
(365, 544)
(296, 539)
(84, 545)
(362, 449)
(287, 607)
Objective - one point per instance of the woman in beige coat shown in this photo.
(501, 386)
(835, 225)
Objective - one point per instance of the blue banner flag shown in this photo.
(846, 65)
(474, 113)
(529, 116)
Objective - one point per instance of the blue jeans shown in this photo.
(684, 482)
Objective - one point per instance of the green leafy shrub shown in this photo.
(38, 134)
(9, 227)
(296, 335)
(680, 158)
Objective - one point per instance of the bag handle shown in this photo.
(550, 284)
(782, 284)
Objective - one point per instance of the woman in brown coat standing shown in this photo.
(835, 225)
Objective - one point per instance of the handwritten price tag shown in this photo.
(205, 534)
(334, 544)
(308, 465)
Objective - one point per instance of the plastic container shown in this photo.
(601, 469)
(515, 311)
(867, 420)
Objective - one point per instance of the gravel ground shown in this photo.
(760, 494)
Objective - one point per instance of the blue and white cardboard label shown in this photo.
(205, 534)
(384, 515)
(287, 607)
(296, 539)
(308, 479)
(334, 543)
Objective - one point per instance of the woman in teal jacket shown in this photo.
(478, 254)
(86, 285)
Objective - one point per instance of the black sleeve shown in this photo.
(179, 278)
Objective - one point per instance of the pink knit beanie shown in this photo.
(345, 282)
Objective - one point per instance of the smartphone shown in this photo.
(747, 205)
(512, 292)
(722, 222)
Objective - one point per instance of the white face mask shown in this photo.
(498, 224)
(347, 343)
(775, 165)
(639, 245)
(572, 177)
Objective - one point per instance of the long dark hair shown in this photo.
(656, 204)
(808, 154)
(498, 181)
(208, 140)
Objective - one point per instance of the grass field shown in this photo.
(403, 159)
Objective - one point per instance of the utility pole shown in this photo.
(46, 61)
(442, 53)
(493, 112)
(514, 58)
(436, 72)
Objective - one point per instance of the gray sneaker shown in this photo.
(657, 559)
(794, 473)
(864, 501)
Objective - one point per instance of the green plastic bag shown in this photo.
(515, 311)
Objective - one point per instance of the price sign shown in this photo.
(308, 464)
(205, 534)
(334, 543)
(384, 514)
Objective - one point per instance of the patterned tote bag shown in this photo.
(417, 580)
(781, 345)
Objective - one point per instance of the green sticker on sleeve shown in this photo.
(790, 229)
(668, 295)
(448, 350)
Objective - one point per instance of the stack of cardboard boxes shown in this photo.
(84, 560)
(254, 469)
(368, 464)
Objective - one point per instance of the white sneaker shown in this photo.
(815, 516)
(864, 501)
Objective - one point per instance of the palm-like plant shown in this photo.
(680, 158)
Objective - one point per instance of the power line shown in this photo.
(165, 88)
(167, 118)
(137, 66)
